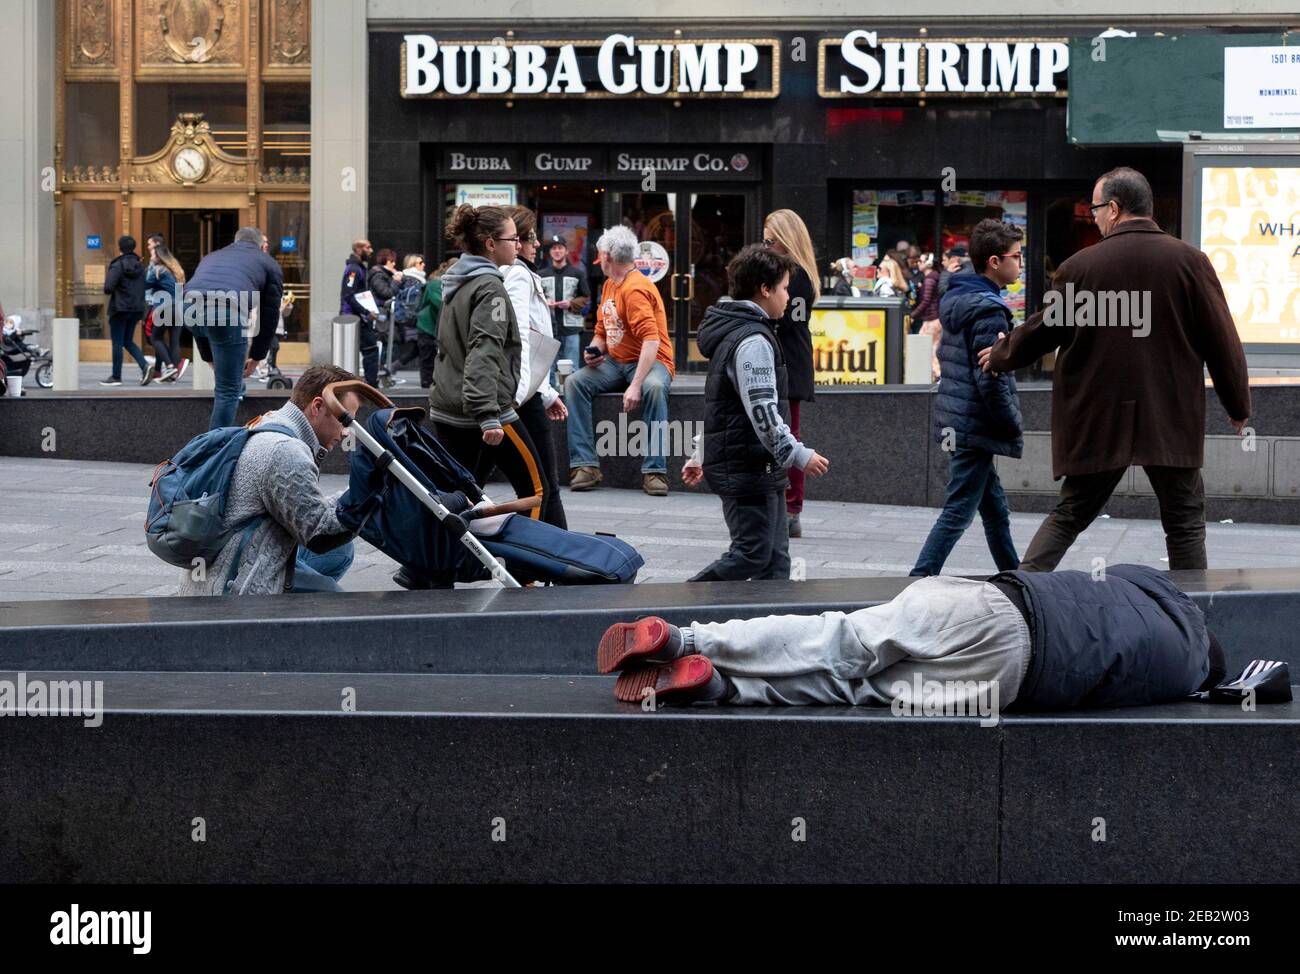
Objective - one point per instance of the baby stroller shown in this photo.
(413, 501)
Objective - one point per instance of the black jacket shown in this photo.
(567, 283)
(381, 284)
(125, 282)
(982, 410)
(796, 339)
(1129, 637)
(736, 463)
(245, 268)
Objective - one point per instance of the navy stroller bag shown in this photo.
(402, 527)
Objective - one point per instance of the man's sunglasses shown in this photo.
(1094, 207)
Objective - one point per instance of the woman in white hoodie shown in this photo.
(544, 406)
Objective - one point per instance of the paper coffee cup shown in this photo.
(564, 366)
(14, 383)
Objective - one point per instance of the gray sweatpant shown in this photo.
(957, 632)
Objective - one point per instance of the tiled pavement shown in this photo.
(73, 529)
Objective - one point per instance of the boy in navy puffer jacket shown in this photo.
(977, 414)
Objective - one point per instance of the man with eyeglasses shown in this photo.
(1137, 317)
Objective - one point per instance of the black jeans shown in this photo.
(533, 415)
(368, 341)
(760, 540)
(428, 346)
(1179, 490)
(515, 456)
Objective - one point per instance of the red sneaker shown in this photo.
(630, 642)
(680, 681)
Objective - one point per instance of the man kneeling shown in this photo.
(1045, 640)
(288, 535)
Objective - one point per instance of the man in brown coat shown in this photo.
(1130, 391)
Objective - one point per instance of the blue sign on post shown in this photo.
(288, 245)
(92, 241)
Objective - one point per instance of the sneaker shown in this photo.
(585, 478)
(148, 375)
(656, 484)
(180, 372)
(796, 529)
(683, 681)
(650, 640)
(168, 374)
(110, 381)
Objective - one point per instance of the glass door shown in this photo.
(720, 224)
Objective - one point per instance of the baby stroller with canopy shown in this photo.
(430, 515)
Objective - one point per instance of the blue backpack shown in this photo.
(188, 502)
(407, 305)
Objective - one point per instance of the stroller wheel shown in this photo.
(45, 376)
(279, 382)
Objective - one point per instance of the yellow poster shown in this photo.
(848, 346)
(1250, 230)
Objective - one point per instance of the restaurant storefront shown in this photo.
(692, 140)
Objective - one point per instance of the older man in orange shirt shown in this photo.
(635, 357)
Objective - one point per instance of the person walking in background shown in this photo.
(1133, 394)
(537, 403)
(124, 282)
(354, 284)
(786, 233)
(632, 354)
(406, 308)
(567, 294)
(163, 281)
(384, 280)
(245, 272)
(925, 317)
(956, 260)
(890, 282)
(976, 415)
(426, 323)
(747, 445)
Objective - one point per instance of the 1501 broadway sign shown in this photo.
(860, 63)
(617, 66)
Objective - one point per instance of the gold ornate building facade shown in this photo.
(187, 118)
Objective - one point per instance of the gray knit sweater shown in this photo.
(276, 475)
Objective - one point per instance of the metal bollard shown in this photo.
(204, 379)
(66, 349)
(346, 339)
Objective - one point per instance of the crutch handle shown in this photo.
(508, 507)
(331, 393)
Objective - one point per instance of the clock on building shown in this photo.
(190, 164)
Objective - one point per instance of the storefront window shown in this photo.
(883, 218)
(91, 136)
(93, 243)
(223, 106)
(287, 233)
(962, 211)
(286, 127)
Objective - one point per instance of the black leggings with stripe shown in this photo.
(515, 456)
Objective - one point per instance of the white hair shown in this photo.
(620, 243)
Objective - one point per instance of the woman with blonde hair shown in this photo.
(890, 281)
(785, 232)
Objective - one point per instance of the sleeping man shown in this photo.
(1042, 640)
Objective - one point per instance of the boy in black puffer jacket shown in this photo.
(976, 413)
(747, 444)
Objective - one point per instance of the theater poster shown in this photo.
(571, 228)
(1250, 230)
(848, 346)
